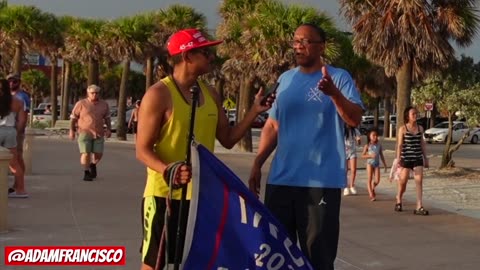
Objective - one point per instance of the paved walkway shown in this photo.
(64, 210)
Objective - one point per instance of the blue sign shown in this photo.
(229, 228)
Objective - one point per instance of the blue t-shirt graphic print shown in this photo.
(310, 144)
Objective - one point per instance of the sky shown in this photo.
(111, 9)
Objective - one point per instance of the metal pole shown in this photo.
(181, 221)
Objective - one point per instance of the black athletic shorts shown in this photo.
(153, 218)
(410, 164)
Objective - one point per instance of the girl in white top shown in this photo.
(11, 119)
(352, 139)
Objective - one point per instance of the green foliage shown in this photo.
(177, 17)
(21, 22)
(455, 89)
(40, 125)
(369, 102)
(126, 38)
(36, 82)
(111, 82)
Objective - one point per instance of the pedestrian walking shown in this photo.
(411, 152)
(373, 152)
(90, 118)
(133, 121)
(352, 140)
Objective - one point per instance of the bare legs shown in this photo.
(18, 172)
(402, 185)
(372, 184)
(350, 189)
(418, 175)
(353, 172)
(87, 158)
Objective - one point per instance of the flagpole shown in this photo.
(181, 221)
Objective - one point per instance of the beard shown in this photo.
(305, 61)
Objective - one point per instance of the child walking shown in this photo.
(352, 139)
(373, 152)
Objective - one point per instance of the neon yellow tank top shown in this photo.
(172, 145)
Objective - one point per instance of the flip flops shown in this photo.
(421, 211)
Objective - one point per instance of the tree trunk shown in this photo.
(386, 117)
(404, 89)
(447, 154)
(376, 114)
(245, 144)
(17, 61)
(66, 90)
(433, 115)
(53, 89)
(149, 73)
(122, 102)
(93, 72)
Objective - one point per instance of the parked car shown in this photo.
(114, 119)
(258, 123)
(424, 122)
(439, 133)
(474, 136)
(232, 117)
(39, 117)
(367, 125)
(260, 120)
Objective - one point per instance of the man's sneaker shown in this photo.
(353, 191)
(346, 191)
(93, 170)
(87, 176)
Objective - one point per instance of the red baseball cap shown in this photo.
(188, 39)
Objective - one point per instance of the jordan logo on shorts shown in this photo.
(322, 202)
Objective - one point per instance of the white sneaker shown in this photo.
(353, 191)
(346, 192)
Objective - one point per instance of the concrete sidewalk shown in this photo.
(63, 210)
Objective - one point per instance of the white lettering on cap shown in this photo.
(188, 45)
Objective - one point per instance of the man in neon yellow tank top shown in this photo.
(163, 130)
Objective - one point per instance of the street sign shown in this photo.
(229, 104)
(428, 106)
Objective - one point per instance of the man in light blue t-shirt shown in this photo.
(306, 126)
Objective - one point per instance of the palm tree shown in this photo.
(66, 22)
(49, 41)
(172, 19)
(84, 43)
(257, 35)
(124, 41)
(152, 48)
(20, 25)
(410, 39)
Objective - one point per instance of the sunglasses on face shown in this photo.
(93, 93)
(13, 81)
(304, 42)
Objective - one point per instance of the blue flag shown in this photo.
(229, 228)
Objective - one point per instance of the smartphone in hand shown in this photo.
(270, 91)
